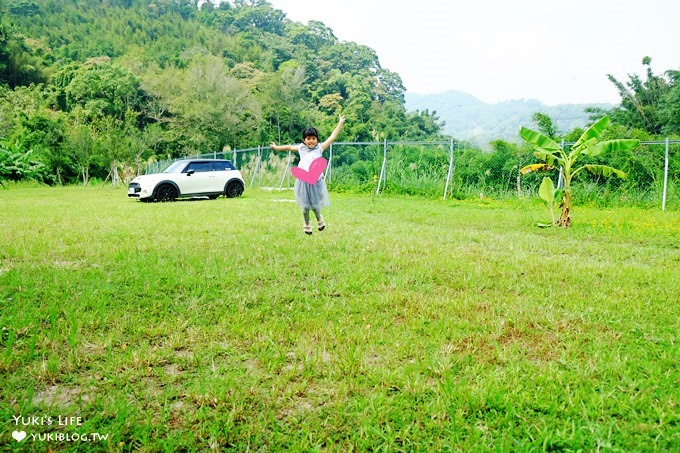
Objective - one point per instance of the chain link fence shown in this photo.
(452, 169)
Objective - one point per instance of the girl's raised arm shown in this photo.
(334, 134)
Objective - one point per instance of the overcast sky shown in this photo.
(556, 51)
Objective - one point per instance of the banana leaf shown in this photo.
(547, 191)
(593, 131)
(540, 141)
(604, 170)
(612, 146)
(535, 167)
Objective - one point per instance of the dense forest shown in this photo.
(97, 88)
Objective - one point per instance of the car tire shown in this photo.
(234, 189)
(166, 192)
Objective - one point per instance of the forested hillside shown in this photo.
(89, 84)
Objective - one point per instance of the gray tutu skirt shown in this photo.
(311, 196)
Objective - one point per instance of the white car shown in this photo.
(189, 178)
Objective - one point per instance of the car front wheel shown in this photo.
(234, 189)
(166, 192)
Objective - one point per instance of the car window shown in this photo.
(222, 165)
(175, 167)
(199, 167)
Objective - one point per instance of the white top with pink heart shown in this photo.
(307, 156)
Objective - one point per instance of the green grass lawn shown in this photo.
(408, 325)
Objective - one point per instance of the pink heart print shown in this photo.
(315, 169)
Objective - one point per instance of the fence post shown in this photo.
(329, 169)
(285, 171)
(560, 176)
(450, 173)
(382, 170)
(665, 175)
(259, 168)
(256, 170)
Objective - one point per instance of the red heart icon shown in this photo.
(315, 169)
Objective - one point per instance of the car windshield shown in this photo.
(176, 167)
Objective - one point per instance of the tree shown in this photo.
(81, 146)
(422, 125)
(257, 15)
(102, 89)
(4, 52)
(314, 35)
(641, 101)
(554, 156)
(17, 163)
(213, 109)
(545, 124)
(21, 63)
(25, 8)
(670, 107)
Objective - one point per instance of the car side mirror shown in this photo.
(191, 172)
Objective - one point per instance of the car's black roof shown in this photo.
(203, 160)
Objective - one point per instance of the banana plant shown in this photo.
(555, 156)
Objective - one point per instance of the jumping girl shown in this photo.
(311, 196)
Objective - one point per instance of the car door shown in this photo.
(198, 178)
(224, 171)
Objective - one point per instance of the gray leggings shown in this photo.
(305, 213)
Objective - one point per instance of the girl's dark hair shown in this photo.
(310, 132)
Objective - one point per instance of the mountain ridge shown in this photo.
(470, 119)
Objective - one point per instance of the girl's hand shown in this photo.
(272, 145)
(342, 119)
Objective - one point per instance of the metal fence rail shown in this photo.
(445, 167)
